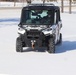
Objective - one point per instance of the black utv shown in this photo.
(39, 26)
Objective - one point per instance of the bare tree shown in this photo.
(43, 1)
(14, 3)
(28, 1)
(62, 6)
(70, 1)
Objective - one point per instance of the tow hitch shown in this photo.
(33, 43)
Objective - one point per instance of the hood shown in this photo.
(35, 27)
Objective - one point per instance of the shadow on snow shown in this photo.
(65, 46)
(10, 19)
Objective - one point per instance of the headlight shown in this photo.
(47, 31)
(21, 31)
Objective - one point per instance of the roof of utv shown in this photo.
(45, 6)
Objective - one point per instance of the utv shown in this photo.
(39, 26)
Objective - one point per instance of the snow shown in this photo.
(11, 4)
(29, 62)
(21, 4)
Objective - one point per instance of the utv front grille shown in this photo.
(33, 34)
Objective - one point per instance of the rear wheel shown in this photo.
(19, 47)
(51, 46)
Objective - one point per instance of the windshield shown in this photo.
(37, 17)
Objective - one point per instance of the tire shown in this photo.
(23, 44)
(60, 40)
(51, 45)
(19, 47)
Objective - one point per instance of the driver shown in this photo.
(47, 19)
(48, 16)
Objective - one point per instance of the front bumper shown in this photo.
(35, 38)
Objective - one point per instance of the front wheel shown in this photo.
(51, 45)
(19, 47)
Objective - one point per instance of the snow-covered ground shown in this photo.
(12, 4)
(63, 62)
